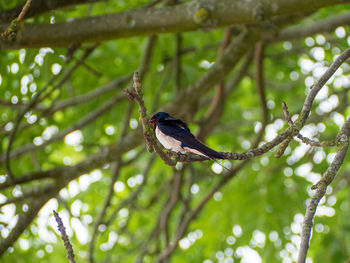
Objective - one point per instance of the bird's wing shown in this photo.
(172, 121)
(188, 140)
(175, 129)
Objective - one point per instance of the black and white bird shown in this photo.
(174, 135)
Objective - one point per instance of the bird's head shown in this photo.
(158, 117)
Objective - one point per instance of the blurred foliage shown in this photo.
(261, 209)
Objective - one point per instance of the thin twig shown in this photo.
(85, 120)
(24, 11)
(13, 132)
(147, 56)
(150, 142)
(217, 105)
(301, 137)
(318, 86)
(102, 213)
(11, 32)
(186, 199)
(173, 198)
(115, 174)
(25, 218)
(286, 114)
(137, 96)
(177, 61)
(260, 86)
(67, 244)
(314, 143)
(70, 71)
(283, 146)
(166, 253)
(321, 188)
(163, 85)
(36, 191)
(95, 93)
(233, 172)
(304, 114)
(40, 95)
(220, 87)
(154, 234)
(38, 7)
(132, 197)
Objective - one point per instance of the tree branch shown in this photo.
(38, 7)
(166, 253)
(144, 66)
(173, 198)
(172, 19)
(34, 192)
(25, 218)
(85, 120)
(259, 76)
(14, 27)
(177, 62)
(24, 11)
(115, 174)
(311, 28)
(321, 188)
(40, 95)
(111, 152)
(146, 127)
(216, 107)
(65, 238)
(218, 72)
(304, 114)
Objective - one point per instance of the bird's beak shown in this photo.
(153, 121)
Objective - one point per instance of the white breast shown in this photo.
(169, 142)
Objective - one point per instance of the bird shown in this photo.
(175, 135)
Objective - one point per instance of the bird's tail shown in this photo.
(208, 152)
(220, 164)
(212, 155)
(198, 147)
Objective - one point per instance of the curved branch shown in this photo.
(283, 138)
(304, 114)
(179, 18)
